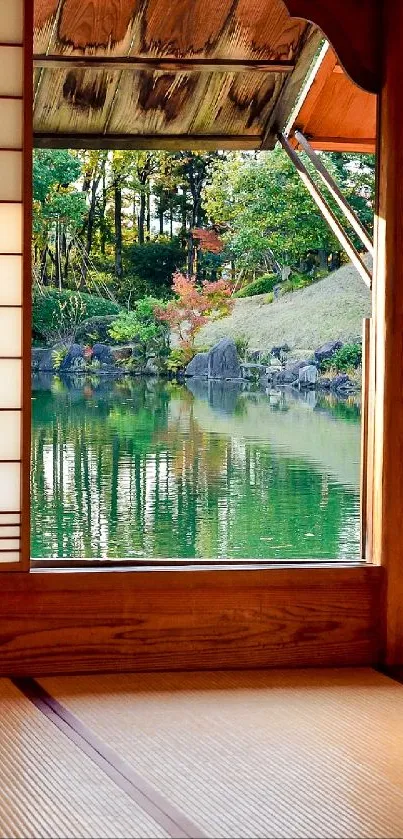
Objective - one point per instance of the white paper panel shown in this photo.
(10, 276)
(10, 436)
(10, 531)
(10, 383)
(11, 112)
(10, 332)
(10, 484)
(10, 228)
(11, 21)
(11, 71)
(10, 518)
(9, 545)
(10, 176)
(10, 557)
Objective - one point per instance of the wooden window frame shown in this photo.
(61, 620)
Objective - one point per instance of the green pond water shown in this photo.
(144, 468)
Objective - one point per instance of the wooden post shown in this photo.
(388, 318)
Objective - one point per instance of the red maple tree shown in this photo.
(194, 306)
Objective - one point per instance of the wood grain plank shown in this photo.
(173, 65)
(99, 621)
(166, 142)
(388, 315)
(291, 88)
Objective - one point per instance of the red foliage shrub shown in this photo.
(194, 306)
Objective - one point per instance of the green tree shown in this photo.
(58, 211)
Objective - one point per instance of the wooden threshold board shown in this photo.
(109, 621)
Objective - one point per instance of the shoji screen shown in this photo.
(15, 252)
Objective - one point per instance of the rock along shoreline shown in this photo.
(261, 370)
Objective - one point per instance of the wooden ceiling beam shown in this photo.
(164, 142)
(167, 65)
(362, 145)
(291, 88)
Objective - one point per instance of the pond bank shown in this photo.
(272, 369)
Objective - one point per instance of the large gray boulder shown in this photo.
(308, 376)
(327, 350)
(42, 360)
(198, 366)
(74, 359)
(223, 362)
(102, 353)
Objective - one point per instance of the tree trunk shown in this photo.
(44, 266)
(148, 213)
(183, 209)
(171, 220)
(58, 274)
(142, 216)
(118, 231)
(190, 255)
(103, 222)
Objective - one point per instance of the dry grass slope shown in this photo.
(330, 309)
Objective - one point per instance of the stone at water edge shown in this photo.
(253, 356)
(327, 350)
(291, 372)
(198, 366)
(102, 353)
(342, 382)
(121, 353)
(280, 351)
(150, 368)
(308, 376)
(74, 358)
(42, 360)
(252, 371)
(223, 362)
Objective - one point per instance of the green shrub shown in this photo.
(262, 285)
(58, 357)
(241, 343)
(95, 330)
(346, 358)
(180, 357)
(141, 327)
(56, 314)
(269, 297)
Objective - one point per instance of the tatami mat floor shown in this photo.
(253, 754)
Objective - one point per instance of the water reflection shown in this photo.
(144, 468)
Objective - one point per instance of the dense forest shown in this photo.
(113, 229)
(127, 220)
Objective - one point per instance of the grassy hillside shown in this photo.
(330, 309)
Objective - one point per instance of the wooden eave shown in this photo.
(166, 74)
(332, 112)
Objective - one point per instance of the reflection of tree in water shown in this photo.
(124, 469)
